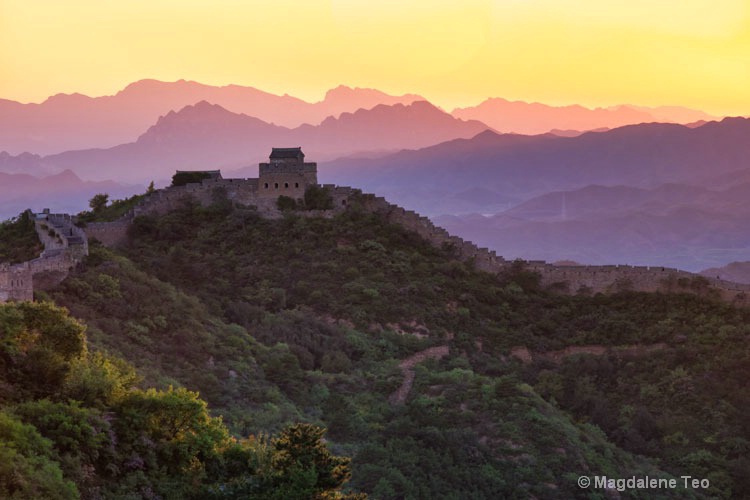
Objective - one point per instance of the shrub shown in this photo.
(285, 203)
(318, 198)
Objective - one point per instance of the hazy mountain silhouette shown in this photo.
(673, 114)
(518, 167)
(64, 191)
(208, 136)
(24, 163)
(739, 272)
(75, 121)
(535, 118)
(676, 225)
(665, 194)
(595, 202)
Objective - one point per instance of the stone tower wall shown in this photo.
(16, 282)
(286, 177)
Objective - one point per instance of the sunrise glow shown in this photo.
(692, 53)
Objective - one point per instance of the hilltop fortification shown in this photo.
(288, 174)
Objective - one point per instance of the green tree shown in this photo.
(286, 203)
(98, 380)
(39, 342)
(172, 437)
(19, 241)
(306, 464)
(318, 198)
(27, 470)
(99, 202)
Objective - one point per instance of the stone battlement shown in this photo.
(69, 243)
(64, 246)
(569, 279)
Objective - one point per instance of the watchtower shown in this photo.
(286, 173)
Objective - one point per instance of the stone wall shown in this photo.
(16, 282)
(110, 234)
(570, 279)
(67, 236)
(163, 201)
(64, 246)
(483, 258)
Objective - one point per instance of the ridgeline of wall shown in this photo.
(568, 279)
(162, 201)
(483, 258)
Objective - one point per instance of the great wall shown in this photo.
(65, 245)
(70, 243)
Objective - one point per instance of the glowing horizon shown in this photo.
(694, 54)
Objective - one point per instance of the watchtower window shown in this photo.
(286, 185)
(266, 185)
(343, 202)
(276, 185)
(296, 184)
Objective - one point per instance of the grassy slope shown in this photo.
(277, 321)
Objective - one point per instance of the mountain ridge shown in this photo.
(538, 118)
(64, 122)
(207, 135)
(76, 121)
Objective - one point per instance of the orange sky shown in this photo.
(685, 52)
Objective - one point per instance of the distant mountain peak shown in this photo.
(345, 91)
(538, 118)
(487, 134)
(67, 175)
(67, 99)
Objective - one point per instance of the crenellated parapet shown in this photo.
(567, 279)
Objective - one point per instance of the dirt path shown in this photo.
(407, 367)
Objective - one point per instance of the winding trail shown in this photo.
(407, 367)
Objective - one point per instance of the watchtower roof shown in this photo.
(211, 173)
(279, 153)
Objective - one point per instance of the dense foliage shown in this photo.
(18, 239)
(317, 198)
(102, 210)
(307, 319)
(72, 425)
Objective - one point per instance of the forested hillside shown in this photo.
(72, 425)
(436, 379)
